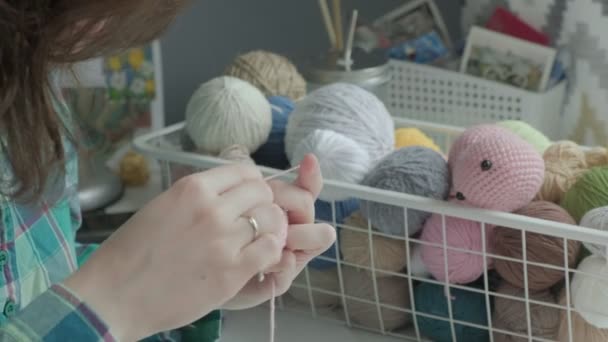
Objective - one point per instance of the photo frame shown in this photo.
(412, 20)
(506, 59)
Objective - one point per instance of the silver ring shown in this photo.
(254, 226)
(256, 230)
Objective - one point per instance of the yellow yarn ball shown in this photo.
(406, 137)
(134, 170)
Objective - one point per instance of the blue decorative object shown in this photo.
(323, 212)
(424, 49)
(272, 153)
(467, 306)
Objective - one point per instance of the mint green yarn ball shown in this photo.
(530, 134)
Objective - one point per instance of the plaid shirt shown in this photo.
(38, 251)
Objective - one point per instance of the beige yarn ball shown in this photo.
(273, 74)
(510, 315)
(320, 280)
(565, 163)
(597, 156)
(361, 301)
(389, 254)
(581, 330)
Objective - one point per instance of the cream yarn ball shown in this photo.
(362, 131)
(596, 219)
(227, 111)
(590, 291)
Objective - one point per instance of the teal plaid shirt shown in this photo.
(38, 250)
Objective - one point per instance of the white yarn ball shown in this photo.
(228, 111)
(590, 293)
(596, 219)
(335, 153)
(417, 267)
(349, 111)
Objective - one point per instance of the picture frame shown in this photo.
(502, 58)
(413, 20)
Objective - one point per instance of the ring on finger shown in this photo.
(254, 225)
(256, 231)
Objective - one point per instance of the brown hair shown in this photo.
(37, 36)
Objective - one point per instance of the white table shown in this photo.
(253, 326)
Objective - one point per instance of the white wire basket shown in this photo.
(166, 146)
(428, 93)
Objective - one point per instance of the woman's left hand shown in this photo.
(305, 239)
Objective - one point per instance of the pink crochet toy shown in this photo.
(492, 168)
(468, 138)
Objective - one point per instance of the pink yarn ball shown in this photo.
(493, 168)
(463, 267)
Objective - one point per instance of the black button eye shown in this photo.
(486, 165)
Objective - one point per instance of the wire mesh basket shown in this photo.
(364, 292)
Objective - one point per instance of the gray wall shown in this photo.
(211, 32)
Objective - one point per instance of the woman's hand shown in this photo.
(185, 254)
(305, 240)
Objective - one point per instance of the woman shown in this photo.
(193, 250)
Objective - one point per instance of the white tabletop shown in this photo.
(253, 326)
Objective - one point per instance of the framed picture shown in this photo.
(412, 20)
(502, 58)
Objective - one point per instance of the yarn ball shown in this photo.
(565, 163)
(510, 315)
(134, 170)
(543, 249)
(406, 137)
(340, 158)
(530, 134)
(417, 267)
(581, 329)
(361, 119)
(324, 212)
(321, 282)
(596, 219)
(588, 193)
(227, 111)
(237, 153)
(590, 291)
(467, 306)
(388, 254)
(272, 153)
(411, 170)
(597, 156)
(273, 74)
(361, 301)
(497, 170)
(463, 267)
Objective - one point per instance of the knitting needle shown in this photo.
(338, 24)
(349, 44)
(328, 23)
(261, 275)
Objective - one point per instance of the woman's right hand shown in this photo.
(185, 254)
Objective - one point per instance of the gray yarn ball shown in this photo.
(412, 170)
